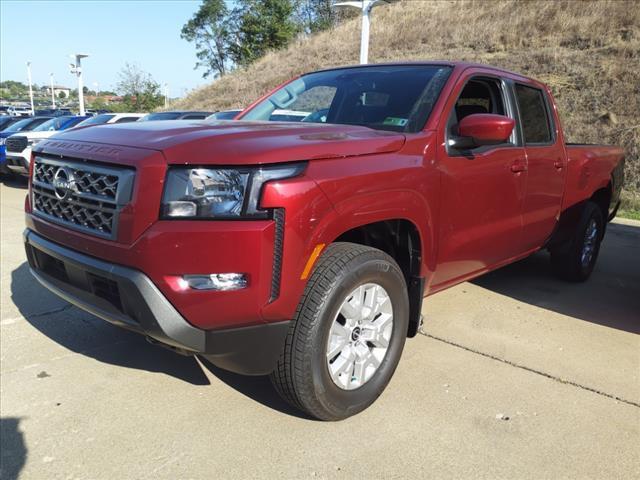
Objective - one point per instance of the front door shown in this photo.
(482, 189)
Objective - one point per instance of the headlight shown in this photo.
(1, 141)
(220, 192)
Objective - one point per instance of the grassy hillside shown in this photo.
(588, 52)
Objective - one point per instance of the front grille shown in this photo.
(16, 144)
(81, 195)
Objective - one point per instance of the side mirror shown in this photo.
(482, 129)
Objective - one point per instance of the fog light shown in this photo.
(217, 281)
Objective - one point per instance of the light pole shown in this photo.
(365, 6)
(166, 95)
(97, 85)
(30, 87)
(53, 97)
(77, 70)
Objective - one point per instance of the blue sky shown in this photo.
(112, 32)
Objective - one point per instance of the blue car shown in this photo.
(18, 145)
(15, 125)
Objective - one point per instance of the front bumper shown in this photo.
(128, 298)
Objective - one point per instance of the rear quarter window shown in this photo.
(534, 116)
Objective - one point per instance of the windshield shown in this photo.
(97, 120)
(160, 116)
(19, 126)
(5, 121)
(72, 122)
(396, 98)
(51, 125)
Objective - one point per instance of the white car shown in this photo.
(108, 118)
(19, 145)
(20, 111)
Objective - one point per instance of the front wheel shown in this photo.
(575, 260)
(348, 334)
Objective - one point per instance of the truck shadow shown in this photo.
(85, 334)
(13, 451)
(258, 389)
(611, 297)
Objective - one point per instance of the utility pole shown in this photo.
(33, 110)
(53, 97)
(365, 6)
(77, 70)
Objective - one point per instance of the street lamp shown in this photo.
(77, 70)
(166, 95)
(365, 6)
(33, 111)
(53, 97)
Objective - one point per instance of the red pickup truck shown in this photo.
(304, 249)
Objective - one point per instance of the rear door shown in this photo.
(546, 163)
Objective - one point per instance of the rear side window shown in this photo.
(533, 114)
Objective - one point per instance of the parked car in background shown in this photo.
(106, 118)
(224, 115)
(18, 124)
(19, 144)
(177, 115)
(20, 111)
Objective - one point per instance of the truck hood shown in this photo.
(238, 142)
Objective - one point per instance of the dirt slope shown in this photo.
(588, 52)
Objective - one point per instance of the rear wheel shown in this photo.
(348, 336)
(575, 260)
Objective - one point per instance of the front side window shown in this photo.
(479, 95)
(395, 98)
(533, 115)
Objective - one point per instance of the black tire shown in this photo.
(567, 260)
(301, 376)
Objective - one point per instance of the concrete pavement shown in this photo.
(520, 376)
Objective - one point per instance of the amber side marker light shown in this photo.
(312, 260)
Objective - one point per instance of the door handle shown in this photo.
(518, 168)
(559, 164)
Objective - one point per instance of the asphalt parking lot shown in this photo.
(519, 376)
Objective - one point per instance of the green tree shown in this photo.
(316, 15)
(209, 30)
(140, 91)
(61, 95)
(260, 26)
